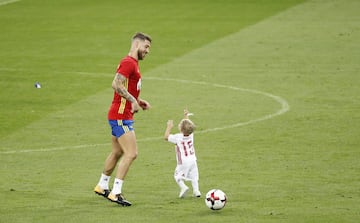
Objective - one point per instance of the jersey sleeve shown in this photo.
(173, 138)
(125, 68)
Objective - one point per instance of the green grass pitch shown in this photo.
(274, 86)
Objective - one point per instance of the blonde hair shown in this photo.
(187, 126)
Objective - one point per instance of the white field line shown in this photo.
(284, 105)
(284, 108)
(70, 147)
(8, 2)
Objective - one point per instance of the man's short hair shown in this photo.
(141, 36)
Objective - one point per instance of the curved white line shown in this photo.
(284, 105)
(8, 2)
(284, 108)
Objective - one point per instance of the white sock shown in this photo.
(117, 186)
(104, 181)
(195, 185)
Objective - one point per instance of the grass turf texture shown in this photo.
(301, 166)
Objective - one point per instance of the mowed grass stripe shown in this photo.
(41, 42)
(282, 104)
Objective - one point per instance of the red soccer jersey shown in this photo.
(120, 108)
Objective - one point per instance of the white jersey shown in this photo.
(185, 151)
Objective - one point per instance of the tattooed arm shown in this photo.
(118, 86)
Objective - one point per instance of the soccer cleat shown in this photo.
(119, 199)
(102, 192)
(183, 192)
(197, 194)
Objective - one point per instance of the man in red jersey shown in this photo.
(126, 102)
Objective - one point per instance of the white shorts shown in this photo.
(187, 171)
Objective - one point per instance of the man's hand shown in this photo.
(135, 107)
(144, 104)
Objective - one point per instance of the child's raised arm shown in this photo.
(186, 114)
(170, 125)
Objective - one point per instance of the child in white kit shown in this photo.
(186, 168)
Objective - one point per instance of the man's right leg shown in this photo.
(127, 142)
(113, 157)
(102, 188)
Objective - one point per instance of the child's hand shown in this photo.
(170, 123)
(187, 114)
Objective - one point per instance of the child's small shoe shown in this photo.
(183, 192)
(197, 194)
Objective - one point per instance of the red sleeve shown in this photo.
(126, 67)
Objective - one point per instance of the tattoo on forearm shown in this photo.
(121, 90)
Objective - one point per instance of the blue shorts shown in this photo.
(120, 127)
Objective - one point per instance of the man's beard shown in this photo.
(140, 55)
